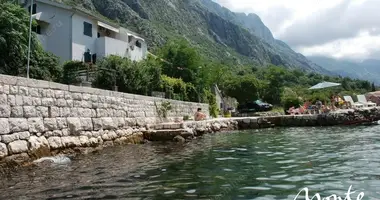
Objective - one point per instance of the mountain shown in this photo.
(365, 70)
(218, 33)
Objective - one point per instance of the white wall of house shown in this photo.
(62, 33)
(55, 34)
(138, 53)
(81, 42)
(106, 46)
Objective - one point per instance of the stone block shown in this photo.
(36, 143)
(84, 141)
(53, 112)
(61, 123)
(23, 135)
(86, 97)
(77, 96)
(11, 100)
(59, 94)
(4, 126)
(94, 98)
(47, 102)
(30, 111)
(58, 86)
(77, 103)
(3, 150)
(3, 99)
(42, 111)
(112, 135)
(18, 125)
(36, 125)
(9, 138)
(50, 124)
(55, 142)
(5, 111)
(61, 102)
(65, 112)
(70, 141)
(6, 89)
(19, 100)
(27, 101)
(50, 93)
(55, 133)
(36, 101)
(13, 89)
(108, 123)
(33, 92)
(24, 91)
(17, 112)
(86, 124)
(120, 122)
(18, 146)
(97, 123)
(74, 124)
(86, 112)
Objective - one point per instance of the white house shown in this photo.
(69, 33)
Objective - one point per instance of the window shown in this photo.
(130, 38)
(87, 29)
(34, 8)
(138, 44)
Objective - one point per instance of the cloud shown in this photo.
(361, 47)
(324, 27)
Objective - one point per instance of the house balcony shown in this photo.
(106, 46)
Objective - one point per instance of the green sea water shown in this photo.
(260, 164)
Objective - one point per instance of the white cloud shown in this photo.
(360, 47)
(338, 28)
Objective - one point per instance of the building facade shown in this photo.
(74, 34)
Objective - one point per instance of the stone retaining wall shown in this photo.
(37, 117)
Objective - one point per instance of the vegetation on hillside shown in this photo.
(185, 74)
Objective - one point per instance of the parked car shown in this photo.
(255, 106)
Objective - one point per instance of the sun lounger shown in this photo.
(353, 104)
(363, 100)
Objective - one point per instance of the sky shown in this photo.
(344, 29)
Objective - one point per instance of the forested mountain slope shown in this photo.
(218, 33)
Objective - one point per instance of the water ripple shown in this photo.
(261, 164)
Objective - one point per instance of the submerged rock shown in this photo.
(60, 160)
(179, 139)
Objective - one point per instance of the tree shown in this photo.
(373, 87)
(132, 77)
(14, 34)
(243, 88)
(184, 61)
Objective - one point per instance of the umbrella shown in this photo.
(324, 85)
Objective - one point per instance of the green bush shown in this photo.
(70, 69)
(213, 107)
(14, 33)
(289, 98)
(131, 77)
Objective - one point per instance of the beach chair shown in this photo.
(363, 100)
(353, 104)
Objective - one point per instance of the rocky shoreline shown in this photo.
(92, 141)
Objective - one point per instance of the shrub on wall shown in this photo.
(131, 77)
(289, 98)
(211, 100)
(70, 69)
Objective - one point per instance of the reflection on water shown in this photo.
(260, 164)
